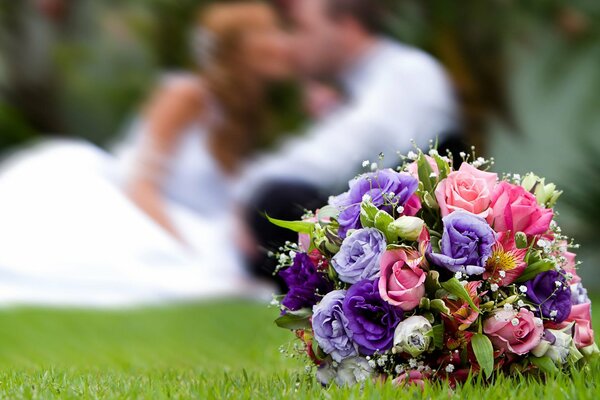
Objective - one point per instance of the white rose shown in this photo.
(413, 335)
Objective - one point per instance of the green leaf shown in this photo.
(443, 167)
(484, 353)
(439, 305)
(367, 214)
(382, 222)
(534, 269)
(432, 281)
(295, 226)
(424, 170)
(438, 336)
(294, 320)
(545, 364)
(456, 288)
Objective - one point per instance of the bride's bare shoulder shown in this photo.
(179, 95)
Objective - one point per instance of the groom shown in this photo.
(393, 94)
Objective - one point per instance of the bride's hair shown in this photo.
(240, 96)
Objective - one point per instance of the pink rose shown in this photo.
(402, 281)
(410, 378)
(467, 189)
(515, 209)
(515, 331)
(583, 334)
(413, 168)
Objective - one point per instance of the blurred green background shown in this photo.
(527, 73)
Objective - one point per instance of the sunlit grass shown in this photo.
(221, 350)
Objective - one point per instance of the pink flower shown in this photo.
(515, 331)
(413, 168)
(410, 378)
(515, 209)
(402, 281)
(467, 189)
(507, 263)
(583, 335)
(412, 206)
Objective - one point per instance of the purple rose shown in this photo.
(306, 284)
(330, 327)
(383, 187)
(550, 292)
(466, 244)
(359, 256)
(371, 319)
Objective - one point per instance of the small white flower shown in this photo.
(508, 307)
(380, 362)
(523, 289)
(514, 321)
(449, 368)
(366, 197)
(412, 363)
(553, 313)
(433, 152)
(412, 155)
(400, 209)
(372, 364)
(366, 163)
(538, 321)
(502, 274)
(521, 303)
(557, 283)
(458, 275)
(398, 369)
(494, 287)
(374, 166)
(462, 154)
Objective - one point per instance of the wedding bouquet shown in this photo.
(433, 272)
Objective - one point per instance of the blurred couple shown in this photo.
(175, 212)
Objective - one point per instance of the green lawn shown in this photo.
(223, 350)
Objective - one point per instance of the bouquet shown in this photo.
(432, 272)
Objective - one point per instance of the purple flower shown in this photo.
(359, 256)
(383, 187)
(330, 327)
(466, 244)
(579, 294)
(551, 294)
(371, 319)
(306, 284)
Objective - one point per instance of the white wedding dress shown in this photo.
(70, 236)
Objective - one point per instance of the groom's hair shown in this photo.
(369, 13)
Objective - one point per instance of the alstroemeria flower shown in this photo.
(461, 313)
(506, 263)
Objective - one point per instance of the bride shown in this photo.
(152, 220)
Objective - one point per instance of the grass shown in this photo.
(220, 350)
